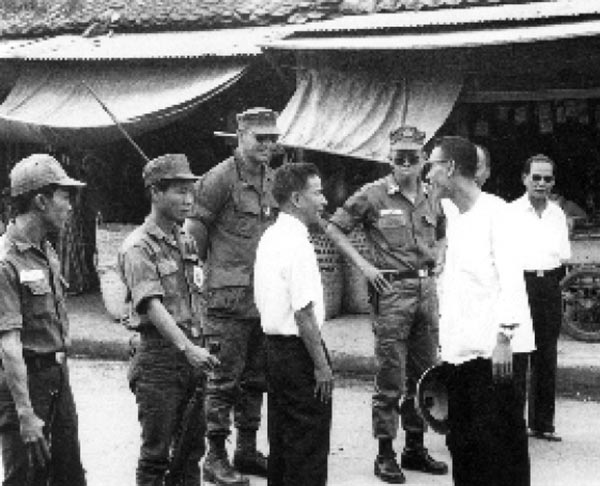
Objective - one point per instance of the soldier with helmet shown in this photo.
(233, 207)
(401, 229)
(38, 419)
(159, 265)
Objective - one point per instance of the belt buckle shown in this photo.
(422, 273)
(60, 357)
(539, 273)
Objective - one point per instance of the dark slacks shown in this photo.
(163, 382)
(298, 423)
(488, 438)
(50, 393)
(546, 313)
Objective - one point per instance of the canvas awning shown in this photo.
(349, 110)
(50, 105)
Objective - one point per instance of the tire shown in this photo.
(581, 304)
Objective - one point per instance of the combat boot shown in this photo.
(386, 468)
(246, 458)
(415, 456)
(217, 468)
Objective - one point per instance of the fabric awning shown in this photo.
(350, 111)
(50, 105)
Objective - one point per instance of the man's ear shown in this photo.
(451, 167)
(295, 198)
(39, 201)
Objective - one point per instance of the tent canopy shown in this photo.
(349, 108)
(49, 104)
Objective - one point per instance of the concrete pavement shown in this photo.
(349, 339)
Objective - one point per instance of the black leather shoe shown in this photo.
(217, 469)
(422, 461)
(387, 469)
(549, 436)
(251, 463)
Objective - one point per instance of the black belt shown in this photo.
(393, 276)
(282, 337)
(543, 273)
(40, 361)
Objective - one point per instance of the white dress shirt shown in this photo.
(482, 283)
(286, 276)
(543, 241)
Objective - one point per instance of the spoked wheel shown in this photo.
(581, 304)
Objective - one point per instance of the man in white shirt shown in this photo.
(289, 297)
(543, 239)
(484, 319)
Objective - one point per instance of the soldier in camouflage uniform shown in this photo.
(233, 207)
(401, 229)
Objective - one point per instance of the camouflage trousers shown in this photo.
(237, 385)
(405, 324)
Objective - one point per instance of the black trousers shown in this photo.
(298, 423)
(488, 437)
(546, 313)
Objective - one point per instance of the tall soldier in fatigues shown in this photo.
(233, 207)
(159, 265)
(38, 420)
(401, 230)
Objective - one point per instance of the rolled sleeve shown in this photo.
(354, 212)
(141, 276)
(211, 194)
(10, 302)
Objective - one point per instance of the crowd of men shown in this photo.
(225, 281)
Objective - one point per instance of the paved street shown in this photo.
(109, 433)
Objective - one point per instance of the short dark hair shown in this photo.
(290, 178)
(162, 185)
(462, 151)
(22, 203)
(538, 158)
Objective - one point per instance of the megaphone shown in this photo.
(432, 397)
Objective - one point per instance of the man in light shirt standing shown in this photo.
(289, 297)
(485, 326)
(543, 239)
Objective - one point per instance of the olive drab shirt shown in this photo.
(31, 293)
(401, 235)
(153, 263)
(235, 212)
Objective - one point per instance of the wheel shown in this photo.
(581, 304)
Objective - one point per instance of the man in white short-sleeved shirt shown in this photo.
(484, 319)
(543, 239)
(289, 296)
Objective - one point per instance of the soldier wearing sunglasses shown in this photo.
(402, 230)
(544, 245)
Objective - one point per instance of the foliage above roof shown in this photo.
(34, 18)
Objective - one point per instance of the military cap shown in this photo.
(407, 138)
(168, 167)
(38, 171)
(260, 121)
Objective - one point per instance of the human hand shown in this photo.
(375, 276)
(32, 434)
(324, 386)
(502, 369)
(200, 357)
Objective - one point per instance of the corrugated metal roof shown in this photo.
(556, 9)
(463, 38)
(164, 45)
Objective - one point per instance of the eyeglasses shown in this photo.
(403, 158)
(538, 178)
(439, 161)
(264, 138)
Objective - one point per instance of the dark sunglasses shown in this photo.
(402, 159)
(264, 138)
(538, 178)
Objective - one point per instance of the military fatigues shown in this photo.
(235, 213)
(156, 264)
(32, 301)
(401, 236)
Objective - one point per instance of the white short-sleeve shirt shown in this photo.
(286, 276)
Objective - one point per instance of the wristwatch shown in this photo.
(508, 330)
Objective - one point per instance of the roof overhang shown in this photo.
(243, 42)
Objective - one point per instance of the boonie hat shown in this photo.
(38, 171)
(261, 121)
(407, 138)
(168, 167)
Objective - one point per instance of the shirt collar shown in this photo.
(20, 240)
(153, 229)
(393, 188)
(243, 172)
(292, 222)
(525, 203)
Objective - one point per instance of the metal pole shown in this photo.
(116, 122)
